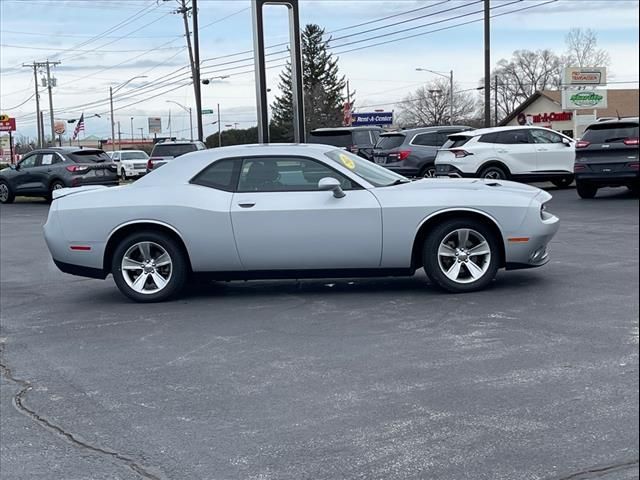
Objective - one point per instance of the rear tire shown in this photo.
(563, 182)
(461, 255)
(428, 172)
(55, 185)
(635, 189)
(149, 267)
(123, 175)
(586, 190)
(493, 172)
(6, 194)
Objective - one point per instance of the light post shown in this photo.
(111, 91)
(141, 133)
(450, 77)
(188, 110)
(132, 129)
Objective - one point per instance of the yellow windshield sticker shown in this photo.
(347, 162)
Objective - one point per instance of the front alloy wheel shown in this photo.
(461, 255)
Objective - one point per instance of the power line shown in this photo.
(5, 109)
(6, 45)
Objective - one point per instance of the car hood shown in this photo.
(478, 184)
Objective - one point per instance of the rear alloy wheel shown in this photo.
(586, 190)
(461, 255)
(149, 267)
(429, 172)
(6, 195)
(57, 185)
(563, 182)
(493, 172)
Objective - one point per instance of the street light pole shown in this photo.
(450, 77)
(111, 92)
(132, 129)
(188, 110)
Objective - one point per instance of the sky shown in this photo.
(105, 43)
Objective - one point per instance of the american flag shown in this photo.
(79, 127)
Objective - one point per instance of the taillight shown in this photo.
(76, 169)
(582, 144)
(634, 165)
(631, 141)
(578, 166)
(403, 154)
(459, 153)
(150, 164)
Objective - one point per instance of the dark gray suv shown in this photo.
(41, 172)
(412, 152)
(358, 140)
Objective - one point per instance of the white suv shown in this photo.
(518, 153)
(131, 163)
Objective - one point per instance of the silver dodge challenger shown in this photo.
(294, 211)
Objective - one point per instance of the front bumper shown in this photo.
(448, 170)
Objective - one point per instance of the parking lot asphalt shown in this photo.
(534, 378)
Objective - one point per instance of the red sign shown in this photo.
(552, 117)
(7, 124)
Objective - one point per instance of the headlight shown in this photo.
(544, 214)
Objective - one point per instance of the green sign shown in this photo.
(208, 110)
(586, 99)
(580, 99)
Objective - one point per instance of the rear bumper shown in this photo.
(625, 177)
(80, 271)
(447, 170)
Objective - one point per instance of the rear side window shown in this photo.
(387, 142)
(513, 137)
(87, 156)
(337, 139)
(428, 140)
(455, 141)
(220, 175)
(617, 132)
(362, 138)
(173, 150)
(488, 138)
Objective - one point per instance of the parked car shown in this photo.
(529, 154)
(295, 211)
(40, 172)
(131, 163)
(412, 152)
(358, 140)
(607, 156)
(164, 152)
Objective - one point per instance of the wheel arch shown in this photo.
(453, 213)
(122, 231)
(493, 163)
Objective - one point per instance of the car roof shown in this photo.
(417, 130)
(345, 129)
(67, 149)
(483, 131)
(178, 142)
(615, 121)
(120, 151)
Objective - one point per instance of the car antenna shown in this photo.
(618, 114)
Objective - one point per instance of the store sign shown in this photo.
(585, 76)
(584, 99)
(59, 127)
(7, 124)
(155, 124)
(374, 118)
(544, 118)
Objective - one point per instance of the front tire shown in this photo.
(6, 194)
(563, 182)
(149, 267)
(493, 172)
(586, 190)
(461, 255)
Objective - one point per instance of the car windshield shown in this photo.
(335, 138)
(611, 133)
(133, 156)
(372, 173)
(386, 142)
(173, 150)
(86, 156)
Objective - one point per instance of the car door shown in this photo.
(554, 155)
(281, 220)
(24, 181)
(515, 148)
(44, 170)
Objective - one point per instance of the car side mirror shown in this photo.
(566, 142)
(16, 166)
(13, 167)
(330, 183)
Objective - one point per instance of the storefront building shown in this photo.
(544, 109)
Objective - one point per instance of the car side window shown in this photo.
(47, 159)
(29, 162)
(513, 137)
(220, 175)
(116, 156)
(428, 140)
(544, 136)
(286, 174)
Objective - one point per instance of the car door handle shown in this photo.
(501, 151)
(247, 204)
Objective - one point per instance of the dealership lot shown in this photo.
(534, 378)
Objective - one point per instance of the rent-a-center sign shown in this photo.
(371, 118)
(7, 124)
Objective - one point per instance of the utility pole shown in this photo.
(219, 128)
(487, 63)
(495, 99)
(35, 77)
(41, 120)
(119, 137)
(113, 133)
(132, 129)
(451, 97)
(48, 64)
(141, 133)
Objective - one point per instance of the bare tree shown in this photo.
(429, 105)
(582, 50)
(521, 76)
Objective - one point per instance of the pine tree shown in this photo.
(323, 88)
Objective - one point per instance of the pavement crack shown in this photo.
(19, 402)
(594, 472)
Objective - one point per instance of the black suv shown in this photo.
(412, 152)
(41, 172)
(358, 140)
(164, 152)
(607, 156)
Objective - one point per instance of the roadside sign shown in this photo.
(584, 99)
(7, 124)
(59, 127)
(585, 76)
(155, 124)
(207, 111)
(371, 118)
